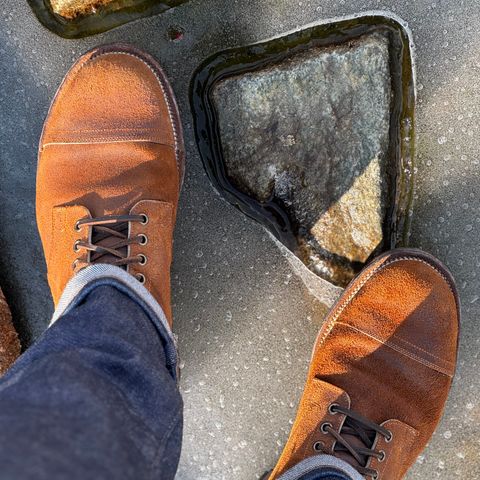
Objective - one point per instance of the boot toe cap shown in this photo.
(111, 94)
(411, 304)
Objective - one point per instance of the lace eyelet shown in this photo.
(331, 408)
(324, 426)
(145, 218)
(375, 475)
(77, 227)
(318, 446)
(382, 456)
(390, 437)
(143, 239)
(141, 278)
(143, 259)
(75, 246)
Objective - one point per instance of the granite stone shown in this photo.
(312, 133)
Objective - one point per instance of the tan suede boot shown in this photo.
(9, 342)
(381, 369)
(110, 168)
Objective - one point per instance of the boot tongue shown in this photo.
(103, 239)
(356, 443)
(359, 435)
(326, 393)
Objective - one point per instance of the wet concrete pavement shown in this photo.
(246, 322)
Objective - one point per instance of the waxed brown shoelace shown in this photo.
(365, 430)
(104, 228)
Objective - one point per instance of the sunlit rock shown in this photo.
(71, 9)
(312, 133)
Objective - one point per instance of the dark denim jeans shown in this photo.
(93, 399)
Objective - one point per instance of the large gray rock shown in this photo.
(313, 133)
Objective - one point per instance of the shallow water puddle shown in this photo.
(311, 135)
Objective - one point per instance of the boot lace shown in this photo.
(104, 249)
(359, 427)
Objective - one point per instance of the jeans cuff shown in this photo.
(319, 462)
(93, 276)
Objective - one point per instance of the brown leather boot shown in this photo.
(9, 342)
(110, 168)
(381, 369)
